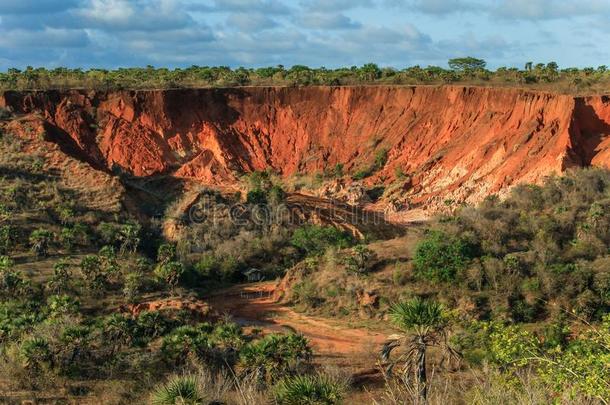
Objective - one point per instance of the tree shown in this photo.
(60, 279)
(132, 285)
(170, 273)
(429, 323)
(166, 253)
(129, 235)
(467, 64)
(370, 72)
(40, 240)
(12, 282)
(91, 270)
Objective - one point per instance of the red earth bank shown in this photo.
(458, 143)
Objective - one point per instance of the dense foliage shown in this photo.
(543, 248)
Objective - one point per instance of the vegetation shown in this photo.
(519, 286)
(178, 390)
(314, 240)
(429, 322)
(468, 70)
(317, 389)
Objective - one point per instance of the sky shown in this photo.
(330, 33)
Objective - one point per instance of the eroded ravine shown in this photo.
(445, 143)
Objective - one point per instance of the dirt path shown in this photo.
(334, 341)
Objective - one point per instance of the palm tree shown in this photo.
(429, 323)
(178, 390)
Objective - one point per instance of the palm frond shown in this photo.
(419, 315)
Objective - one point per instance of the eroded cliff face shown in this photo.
(455, 143)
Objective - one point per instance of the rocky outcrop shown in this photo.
(453, 143)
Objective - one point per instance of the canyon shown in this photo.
(444, 144)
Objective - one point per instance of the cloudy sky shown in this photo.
(331, 33)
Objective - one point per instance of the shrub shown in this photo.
(306, 292)
(166, 253)
(6, 238)
(129, 237)
(17, 317)
(40, 240)
(108, 232)
(186, 340)
(315, 239)
(36, 354)
(178, 390)
(381, 158)
(91, 270)
(359, 259)
(208, 266)
(276, 194)
(338, 170)
(275, 356)
(12, 282)
(67, 238)
(440, 257)
(61, 305)
(61, 277)
(132, 286)
(170, 273)
(317, 389)
(256, 196)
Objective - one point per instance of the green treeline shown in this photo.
(461, 70)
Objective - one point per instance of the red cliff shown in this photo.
(458, 143)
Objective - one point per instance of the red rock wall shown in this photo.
(456, 143)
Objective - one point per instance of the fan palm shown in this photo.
(179, 390)
(423, 324)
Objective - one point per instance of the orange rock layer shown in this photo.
(459, 143)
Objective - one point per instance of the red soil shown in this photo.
(455, 143)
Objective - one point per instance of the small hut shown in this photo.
(253, 275)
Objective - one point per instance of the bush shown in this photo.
(170, 273)
(60, 280)
(440, 257)
(307, 293)
(12, 283)
(317, 389)
(178, 390)
(218, 345)
(6, 238)
(132, 286)
(359, 260)
(36, 354)
(91, 270)
(313, 240)
(40, 239)
(62, 305)
(256, 196)
(166, 253)
(275, 356)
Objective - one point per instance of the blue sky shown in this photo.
(331, 33)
